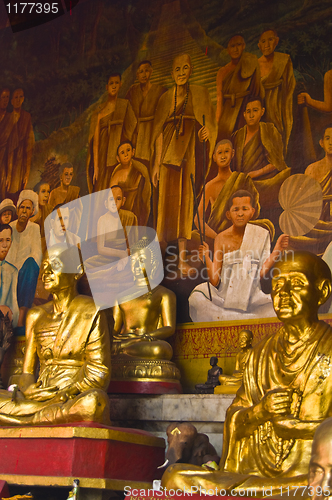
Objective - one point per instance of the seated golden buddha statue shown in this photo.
(142, 324)
(71, 341)
(285, 394)
(229, 384)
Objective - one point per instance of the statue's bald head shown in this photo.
(320, 465)
(305, 262)
(316, 271)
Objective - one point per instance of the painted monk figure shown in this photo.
(285, 394)
(8, 140)
(19, 162)
(44, 208)
(66, 193)
(241, 258)
(133, 178)
(178, 122)
(319, 238)
(321, 171)
(144, 97)
(236, 81)
(220, 189)
(259, 154)
(323, 106)
(279, 83)
(115, 123)
(71, 341)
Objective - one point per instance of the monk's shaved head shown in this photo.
(220, 143)
(179, 57)
(266, 31)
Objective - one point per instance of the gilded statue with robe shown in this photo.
(70, 339)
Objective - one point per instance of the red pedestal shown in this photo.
(4, 492)
(99, 456)
(149, 387)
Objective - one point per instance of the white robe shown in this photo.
(239, 295)
(8, 288)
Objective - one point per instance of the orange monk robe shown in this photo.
(279, 87)
(19, 161)
(8, 143)
(144, 108)
(137, 191)
(263, 148)
(237, 86)
(175, 200)
(58, 197)
(114, 128)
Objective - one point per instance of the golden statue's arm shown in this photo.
(167, 317)
(273, 407)
(27, 379)
(117, 315)
(95, 372)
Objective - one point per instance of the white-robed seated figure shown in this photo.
(242, 257)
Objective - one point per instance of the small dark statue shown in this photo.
(6, 338)
(212, 379)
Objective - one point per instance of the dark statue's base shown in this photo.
(144, 376)
(100, 457)
(144, 387)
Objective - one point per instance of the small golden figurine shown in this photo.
(70, 339)
(229, 384)
(142, 324)
(285, 395)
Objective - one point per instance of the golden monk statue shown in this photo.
(285, 395)
(71, 341)
(234, 381)
(142, 324)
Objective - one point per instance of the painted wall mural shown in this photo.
(211, 122)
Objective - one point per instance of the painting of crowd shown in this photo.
(206, 178)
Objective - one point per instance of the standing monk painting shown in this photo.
(279, 83)
(19, 161)
(235, 82)
(8, 141)
(144, 97)
(115, 123)
(178, 121)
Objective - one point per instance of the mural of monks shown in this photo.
(249, 73)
